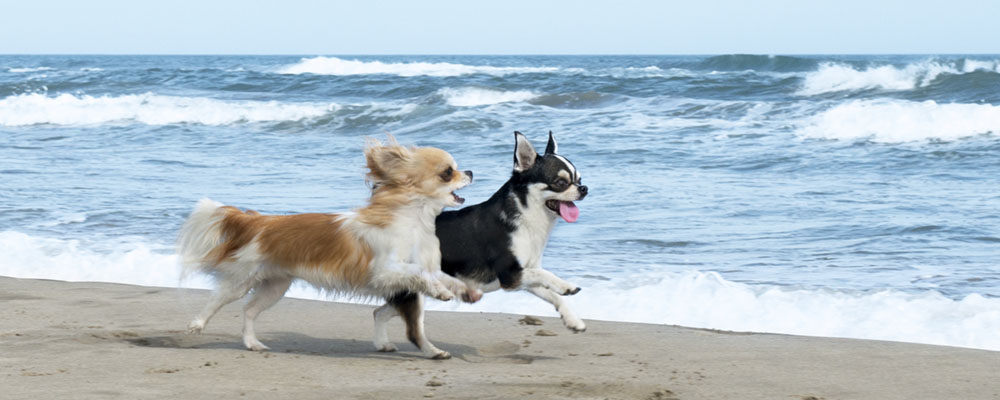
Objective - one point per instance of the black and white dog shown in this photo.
(499, 243)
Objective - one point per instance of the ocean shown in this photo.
(843, 196)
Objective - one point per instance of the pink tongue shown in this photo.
(568, 211)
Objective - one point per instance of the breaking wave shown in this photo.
(148, 108)
(839, 77)
(474, 96)
(338, 66)
(899, 121)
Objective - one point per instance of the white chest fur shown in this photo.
(533, 228)
(410, 239)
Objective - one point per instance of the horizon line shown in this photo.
(497, 54)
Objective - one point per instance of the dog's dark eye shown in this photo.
(562, 183)
(446, 175)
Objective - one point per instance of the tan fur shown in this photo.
(399, 173)
(384, 203)
(297, 241)
(386, 247)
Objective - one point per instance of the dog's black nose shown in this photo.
(469, 173)
(583, 191)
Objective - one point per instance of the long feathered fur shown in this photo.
(384, 248)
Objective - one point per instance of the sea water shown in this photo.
(847, 196)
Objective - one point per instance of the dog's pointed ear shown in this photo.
(552, 147)
(385, 161)
(524, 154)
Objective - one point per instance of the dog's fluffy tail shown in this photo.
(201, 233)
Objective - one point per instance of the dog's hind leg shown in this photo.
(382, 316)
(411, 307)
(265, 295)
(569, 319)
(226, 293)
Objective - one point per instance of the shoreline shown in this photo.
(103, 340)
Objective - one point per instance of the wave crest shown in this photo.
(29, 69)
(474, 96)
(898, 121)
(338, 66)
(150, 109)
(838, 77)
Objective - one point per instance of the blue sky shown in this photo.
(498, 27)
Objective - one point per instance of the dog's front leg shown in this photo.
(534, 277)
(569, 319)
(406, 276)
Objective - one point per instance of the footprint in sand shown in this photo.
(504, 352)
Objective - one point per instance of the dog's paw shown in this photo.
(575, 324)
(444, 295)
(572, 291)
(255, 345)
(386, 348)
(195, 327)
(441, 355)
(440, 292)
(472, 295)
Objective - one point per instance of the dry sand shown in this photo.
(62, 340)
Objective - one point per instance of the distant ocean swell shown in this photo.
(819, 77)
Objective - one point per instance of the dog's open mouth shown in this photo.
(566, 209)
(457, 198)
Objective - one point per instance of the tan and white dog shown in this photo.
(384, 248)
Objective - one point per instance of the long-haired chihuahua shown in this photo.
(385, 248)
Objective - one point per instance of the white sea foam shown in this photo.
(337, 66)
(694, 299)
(473, 96)
(969, 65)
(837, 77)
(707, 300)
(898, 121)
(25, 256)
(148, 108)
(29, 69)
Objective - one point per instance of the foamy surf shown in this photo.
(338, 66)
(148, 108)
(707, 300)
(839, 77)
(694, 298)
(900, 121)
(474, 96)
(29, 69)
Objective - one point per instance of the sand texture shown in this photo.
(62, 340)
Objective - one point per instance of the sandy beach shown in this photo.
(99, 340)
